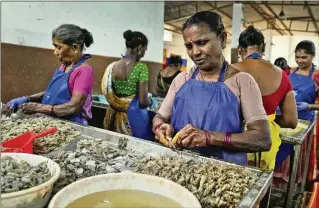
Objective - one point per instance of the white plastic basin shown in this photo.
(127, 181)
(35, 197)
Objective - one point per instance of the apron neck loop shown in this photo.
(254, 55)
(310, 72)
(127, 57)
(221, 75)
(81, 61)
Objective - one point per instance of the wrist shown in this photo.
(208, 138)
(27, 99)
(157, 126)
(309, 107)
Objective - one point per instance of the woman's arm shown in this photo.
(255, 139)
(142, 94)
(289, 115)
(82, 88)
(36, 97)
(70, 108)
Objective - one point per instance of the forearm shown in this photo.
(36, 97)
(66, 109)
(313, 106)
(282, 123)
(249, 141)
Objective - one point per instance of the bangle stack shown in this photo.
(227, 139)
(157, 126)
(207, 135)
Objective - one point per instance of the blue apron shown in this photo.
(305, 91)
(140, 119)
(58, 92)
(210, 106)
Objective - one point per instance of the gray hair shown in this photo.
(72, 34)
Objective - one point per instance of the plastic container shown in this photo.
(35, 197)
(127, 181)
(24, 142)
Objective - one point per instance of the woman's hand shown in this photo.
(190, 136)
(17, 102)
(164, 134)
(31, 108)
(302, 106)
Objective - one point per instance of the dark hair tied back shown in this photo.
(252, 37)
(134, 38)
(72, 34)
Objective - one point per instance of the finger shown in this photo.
(186, 131)
(159, 134)
(164, 141)
(169, 132)
(188, 140)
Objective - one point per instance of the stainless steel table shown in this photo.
(297, 141)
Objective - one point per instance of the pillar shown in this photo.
(238, 18)
(268, 39)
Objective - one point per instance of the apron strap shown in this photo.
(311, 70)
(254, 55)
(310, 73)
(223, 72)
(82, 60)
(195, 73)
(221, 75)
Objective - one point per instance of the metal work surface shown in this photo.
(253, 197)
(301, 137)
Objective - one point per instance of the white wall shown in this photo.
(31, 24)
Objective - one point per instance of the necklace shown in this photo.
(225, 77)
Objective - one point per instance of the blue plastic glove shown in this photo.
(17, 102)
(301, 106)
(154, 103)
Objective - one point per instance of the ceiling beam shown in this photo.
(180, 18)
(270, 3)
(218, 10)
(273, 12)
(294, 30)
(255, 8)
(312, 17)
(180, 9)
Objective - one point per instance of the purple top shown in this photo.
(81, 81)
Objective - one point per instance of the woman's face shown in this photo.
(303, 59)
(203, 46)
(65, 53)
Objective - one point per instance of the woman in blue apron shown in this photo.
(204, 108)
(68, 95)
(305, 81)
(125, 86)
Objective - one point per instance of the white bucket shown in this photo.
(127, 181)
(35, 197)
